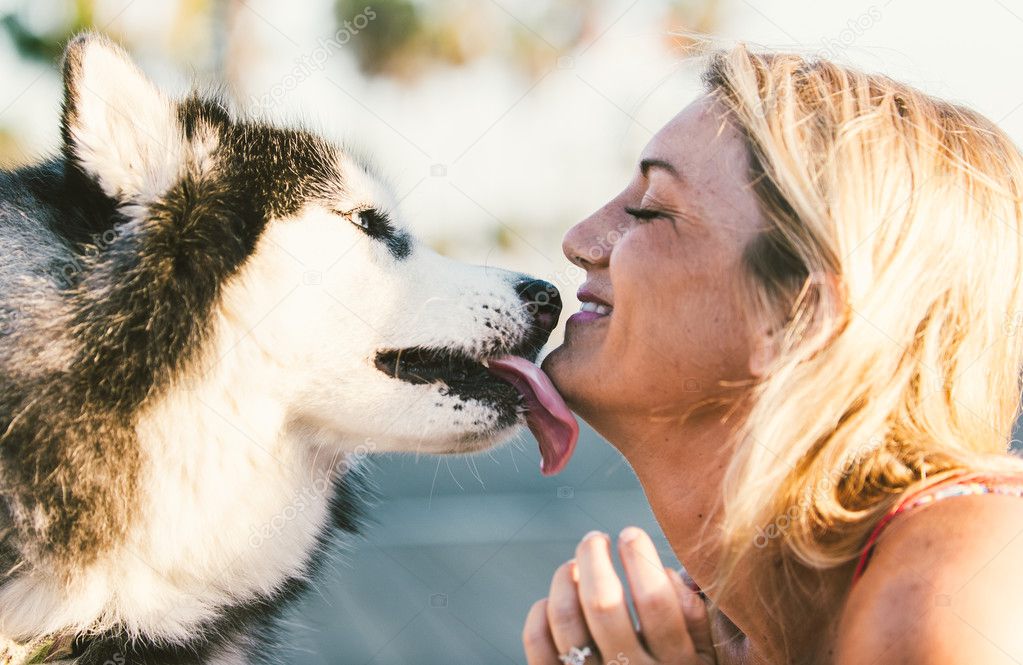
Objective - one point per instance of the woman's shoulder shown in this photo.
(944, 585)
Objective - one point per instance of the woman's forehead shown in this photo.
(701, 155)
(698, 143)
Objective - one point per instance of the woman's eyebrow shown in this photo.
(654, 163)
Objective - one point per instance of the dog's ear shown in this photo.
(118, 128)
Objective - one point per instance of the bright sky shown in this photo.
(481, 151)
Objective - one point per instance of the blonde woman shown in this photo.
(809, 353)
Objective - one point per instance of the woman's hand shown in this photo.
(588, 607)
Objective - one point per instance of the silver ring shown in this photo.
(575, 656)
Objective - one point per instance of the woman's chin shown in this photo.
(568, 374)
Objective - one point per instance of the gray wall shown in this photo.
(459, 550)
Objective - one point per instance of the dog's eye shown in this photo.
(359, 219)
(369, 220)
(356, 216)
(372, 220)
(376, 224)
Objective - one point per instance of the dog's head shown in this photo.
(321, 295)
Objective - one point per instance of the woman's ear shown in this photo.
(764, 351)
(821, 291)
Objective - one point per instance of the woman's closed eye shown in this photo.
(643, 214)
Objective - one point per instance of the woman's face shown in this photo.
(664, 258)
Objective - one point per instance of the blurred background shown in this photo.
(501, 123)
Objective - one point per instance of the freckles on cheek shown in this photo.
(677, 293)
(636, 260)
(653, 273)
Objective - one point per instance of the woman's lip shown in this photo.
(583, 317)
(585, 295)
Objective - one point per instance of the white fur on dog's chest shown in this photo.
(235, 507)
(230, 509)
(255, 318)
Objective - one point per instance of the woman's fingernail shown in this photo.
(593, 534)
(629, 534)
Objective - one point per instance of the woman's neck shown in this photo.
(681, 466)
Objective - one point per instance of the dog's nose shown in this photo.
(542, 301)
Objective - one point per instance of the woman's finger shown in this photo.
(564, 612)
(536, 637)
(603, 600)
(694, 609)
(655, 597)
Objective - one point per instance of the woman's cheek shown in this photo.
(648, 270)
(632, 263)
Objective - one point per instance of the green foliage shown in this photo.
(47, 47)
(407, 37)
(398, 24)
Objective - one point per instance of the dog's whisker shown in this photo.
(177, 387)
(452, 474)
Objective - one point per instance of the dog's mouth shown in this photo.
(506, 382)
(419, 365)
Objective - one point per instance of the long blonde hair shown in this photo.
(891, 274)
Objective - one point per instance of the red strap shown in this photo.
(903, 505)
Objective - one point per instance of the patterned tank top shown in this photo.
(963, 484)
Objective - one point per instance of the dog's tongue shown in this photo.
(546, 413)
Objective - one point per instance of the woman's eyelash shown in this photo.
(646, 214)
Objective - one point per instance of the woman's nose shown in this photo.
(588, 244)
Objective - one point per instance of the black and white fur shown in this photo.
(200, 319)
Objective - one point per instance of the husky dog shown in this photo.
(202, 319)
